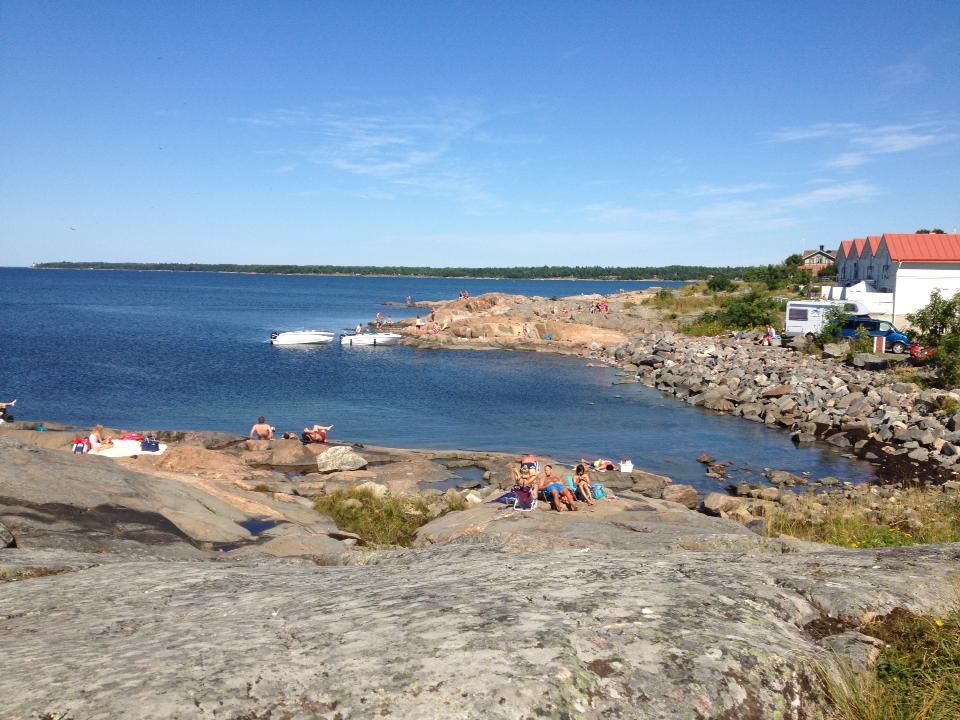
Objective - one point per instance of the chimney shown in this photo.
(821, 247)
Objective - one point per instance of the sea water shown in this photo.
(178, 350)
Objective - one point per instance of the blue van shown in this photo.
(897, 342)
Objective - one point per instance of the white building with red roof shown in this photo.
(910, 266)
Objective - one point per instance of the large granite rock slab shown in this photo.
(51, 499)
(461, 631)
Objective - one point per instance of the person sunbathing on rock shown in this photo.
(581, 479)
(552, 490)
(98, 439)
(316, 434)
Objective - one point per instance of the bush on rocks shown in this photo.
(382, 519)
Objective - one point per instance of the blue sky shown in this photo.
(480, 133)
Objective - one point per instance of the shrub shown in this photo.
(388, 520)
(701, 327)
(720, 283)
(629, 305)
(861, 343)
(833, 323)
(938, 325)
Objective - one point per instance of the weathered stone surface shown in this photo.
(6, 537)
(354, 640)
(716, 503)
(686, 495)
(339, 458)
(298, 545)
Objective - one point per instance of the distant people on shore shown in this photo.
(419, 324)
(315, 434)
(261, 431)
(389, 320)
(409, 301)
(378, 321)
(770, 334)
(98, 439)
(3, 410)
(464, 295)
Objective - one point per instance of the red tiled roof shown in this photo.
(858, 245)
(874, 242)
(927, 247)
(844, 248)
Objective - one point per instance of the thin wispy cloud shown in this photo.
(852, 191)
(861, 143)
(419, 150)
(707, 190)
(909, 73)
(727, 215)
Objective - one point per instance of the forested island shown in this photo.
(669, 272)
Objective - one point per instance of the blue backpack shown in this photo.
(598, 492)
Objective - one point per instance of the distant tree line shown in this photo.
(669, 272)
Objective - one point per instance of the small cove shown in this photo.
(189, 351)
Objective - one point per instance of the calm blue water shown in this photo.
(190, 351)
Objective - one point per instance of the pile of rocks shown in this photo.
(816, 398)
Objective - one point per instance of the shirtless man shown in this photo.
(555, 490)
(261, 431)
(3, 409)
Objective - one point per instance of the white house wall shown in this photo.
(915, 283)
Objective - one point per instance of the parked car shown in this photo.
(807, 317)
(897, 342)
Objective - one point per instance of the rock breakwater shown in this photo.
(913, 435)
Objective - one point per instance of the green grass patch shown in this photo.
(390, 520)
(919, 517)
(916, 677)
(702, 328)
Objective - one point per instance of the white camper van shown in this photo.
(806, 317)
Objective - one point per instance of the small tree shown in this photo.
(720, 283)
(832, 325)
(793, 260)
(937, 325)
(861, 343)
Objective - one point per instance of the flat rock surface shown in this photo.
(462, 631)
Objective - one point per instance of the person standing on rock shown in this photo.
(261, 431)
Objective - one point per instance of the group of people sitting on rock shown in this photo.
(548, 487)
(315, 434)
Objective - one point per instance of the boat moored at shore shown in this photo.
(302, 337)
(349, 337)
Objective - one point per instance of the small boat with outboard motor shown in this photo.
(351, 337)
(302, 337)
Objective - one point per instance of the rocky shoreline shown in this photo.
(911, 435)
(203, 582)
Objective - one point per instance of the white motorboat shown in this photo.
(349, 337)
(302, 337)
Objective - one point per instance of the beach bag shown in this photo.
(150, 445)
(598, 492)
(81, 445)
(131, 436)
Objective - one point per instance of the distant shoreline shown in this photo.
(676, 273)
